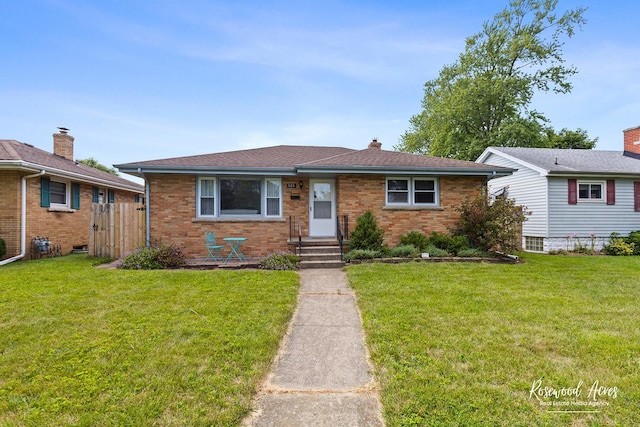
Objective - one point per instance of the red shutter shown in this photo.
(611, 192)
(636, 196)
(573, 191)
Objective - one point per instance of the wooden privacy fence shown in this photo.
(116, 229)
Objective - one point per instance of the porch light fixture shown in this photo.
(300, 184)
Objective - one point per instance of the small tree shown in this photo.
(3, 248)
(491, 226)
(367, 234)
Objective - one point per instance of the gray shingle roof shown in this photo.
(564, 161)
(15, 154)
(293, 159)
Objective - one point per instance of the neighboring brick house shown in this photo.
(263, 193)
(50, 194)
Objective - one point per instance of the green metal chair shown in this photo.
(212, 247)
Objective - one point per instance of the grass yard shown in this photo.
(485, 344)
(86, 346)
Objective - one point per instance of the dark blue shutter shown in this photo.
(96, 195)
(75, 196)
(112, 196)
(45, 195)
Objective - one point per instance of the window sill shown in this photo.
(60, 209)
(411, 208)
(236, 219)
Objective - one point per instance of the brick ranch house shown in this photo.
(262, 194)
(50, 194)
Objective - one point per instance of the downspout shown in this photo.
(147, 191)
(23, 219)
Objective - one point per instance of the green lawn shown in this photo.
(86, 346)
(464, 344)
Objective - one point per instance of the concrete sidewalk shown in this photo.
(322, 375)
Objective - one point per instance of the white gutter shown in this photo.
(147, 214)
(23, 219)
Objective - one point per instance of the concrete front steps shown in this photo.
(321, 254)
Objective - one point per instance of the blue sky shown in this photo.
(140, 80)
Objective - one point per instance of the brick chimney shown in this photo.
(63, 144)
(375, 144)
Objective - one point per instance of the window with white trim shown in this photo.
(591, 190)
(59, 194)
(412, 191)
(206, 200)
(239, 197)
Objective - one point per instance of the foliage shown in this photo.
(160, 256)
(3, 247)
(415, 238)
(618, 246)
(471, 252)
(460, 344)
(634, 237)
(569, 139)
(451, 244)
(404, 251)
(360, 254)
(436, 252)
(97, 165)
(491, 226)
(108, 347)
(367, 234)
(483, 98)
(280, 261)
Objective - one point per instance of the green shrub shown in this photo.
(360, 254)
(436, 252)
(154, 258)
(367, 234)
(471, 252)
(280, 261)
(618, 247)
(451, 244)
(491, 226)
(634, 237)
(418, 240)
(404, 251)
(3, 247)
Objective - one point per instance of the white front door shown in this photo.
(322, 208)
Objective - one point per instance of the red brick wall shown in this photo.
(64, 228)
(358, 194)
(172, 208)
(630, 136)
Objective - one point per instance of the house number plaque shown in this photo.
(291, 185)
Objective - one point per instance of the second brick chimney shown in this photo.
(63, 144)
(375, 144)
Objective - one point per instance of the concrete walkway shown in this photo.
(322, 375)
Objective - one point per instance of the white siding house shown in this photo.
(575, 197)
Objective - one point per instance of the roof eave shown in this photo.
(33, 167)
(386, 170)
(140, 170)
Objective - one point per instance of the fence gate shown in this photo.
(116, 229)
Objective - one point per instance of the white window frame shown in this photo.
(278, 182)
(199, 197)
(217, 197)
(67, 197)
(603, 190)
(411, 191)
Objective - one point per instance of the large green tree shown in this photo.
(97, 165)
(484, 98)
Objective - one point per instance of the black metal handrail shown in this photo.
(295, 230)
(343, 230)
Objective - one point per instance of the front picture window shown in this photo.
(240, 197)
